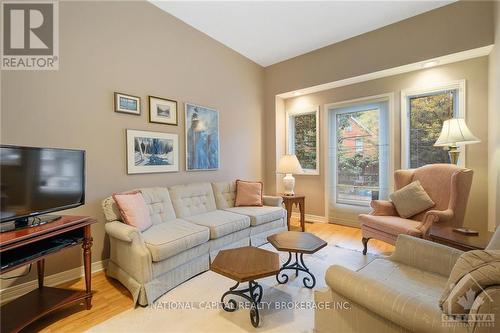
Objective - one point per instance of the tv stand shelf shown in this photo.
(29, 245)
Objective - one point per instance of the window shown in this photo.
(359, 157)
(423, 114)
(303, 138)
(359, 145)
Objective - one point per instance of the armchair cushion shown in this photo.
(411, 200)
(393, 225)
(472, 273)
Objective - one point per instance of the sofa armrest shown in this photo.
(122, 231)
(425, 255)
(384, 300)
(383, 208)
(129, 252)
(269, 200)
(486, 307)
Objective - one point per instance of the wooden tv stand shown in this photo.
(29, 245)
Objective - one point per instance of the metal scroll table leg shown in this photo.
(298, 265)
(252, 294)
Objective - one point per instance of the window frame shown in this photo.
(341, 208)
(406, 94)
(289, 135)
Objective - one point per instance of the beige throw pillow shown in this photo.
(473, 272)
(411, 200)
(248, 193)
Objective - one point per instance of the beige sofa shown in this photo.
(401, 293)
(191, 224)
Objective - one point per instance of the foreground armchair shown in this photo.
(446, 184)
(402, 293)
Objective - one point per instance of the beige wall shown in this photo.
(457, 27)
(474, 71)
(131, 47)
(494, 126)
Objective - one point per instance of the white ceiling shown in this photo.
(268, 32)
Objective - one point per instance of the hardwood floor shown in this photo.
(111, 298)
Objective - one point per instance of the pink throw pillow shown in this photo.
(248, 193)
(133, 209)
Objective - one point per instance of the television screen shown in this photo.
(35, 181)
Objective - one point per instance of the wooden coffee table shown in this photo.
(299, 243)
(245, 264)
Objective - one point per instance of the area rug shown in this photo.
(194, 305)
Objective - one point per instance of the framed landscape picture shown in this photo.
(149, 152)
(162, 110)
(127, 104)
(202, 138)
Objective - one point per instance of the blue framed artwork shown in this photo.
(202, 138)
(149, 152)
(127, 104)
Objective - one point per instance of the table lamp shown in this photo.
(454, 133)
(289, 164)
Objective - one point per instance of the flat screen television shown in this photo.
(36, 181)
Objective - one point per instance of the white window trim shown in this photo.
(357, 209)
(288, 133)
(406, 93)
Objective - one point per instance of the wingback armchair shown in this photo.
(446, 184)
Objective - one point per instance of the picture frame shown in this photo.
(125, 103)
(202, 138)
(152, 152)
(163, 111)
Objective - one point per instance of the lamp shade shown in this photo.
(289, 164)
(455, 132)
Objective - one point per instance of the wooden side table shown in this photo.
(445, 235)
(33, 245)
(299, 201)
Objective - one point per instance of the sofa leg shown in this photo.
(365, 245)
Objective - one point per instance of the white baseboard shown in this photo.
(347, 222)
(311, 218)
(10, 293)
(323, 219)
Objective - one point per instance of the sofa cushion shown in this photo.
(192, 199)
(225, 194)
(220, 222)
(259, 215)
(167, 239)
(391, 224)
(157, 200)
(423, 285)
(472, 273)
(159, 204)
(411, 200)
(133, 209)
(248, 193)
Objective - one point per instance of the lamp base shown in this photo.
(454, 152)
(289, 184)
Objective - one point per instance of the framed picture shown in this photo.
(127, 104)
(162, 110)
(202, 138)
(149, 152)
